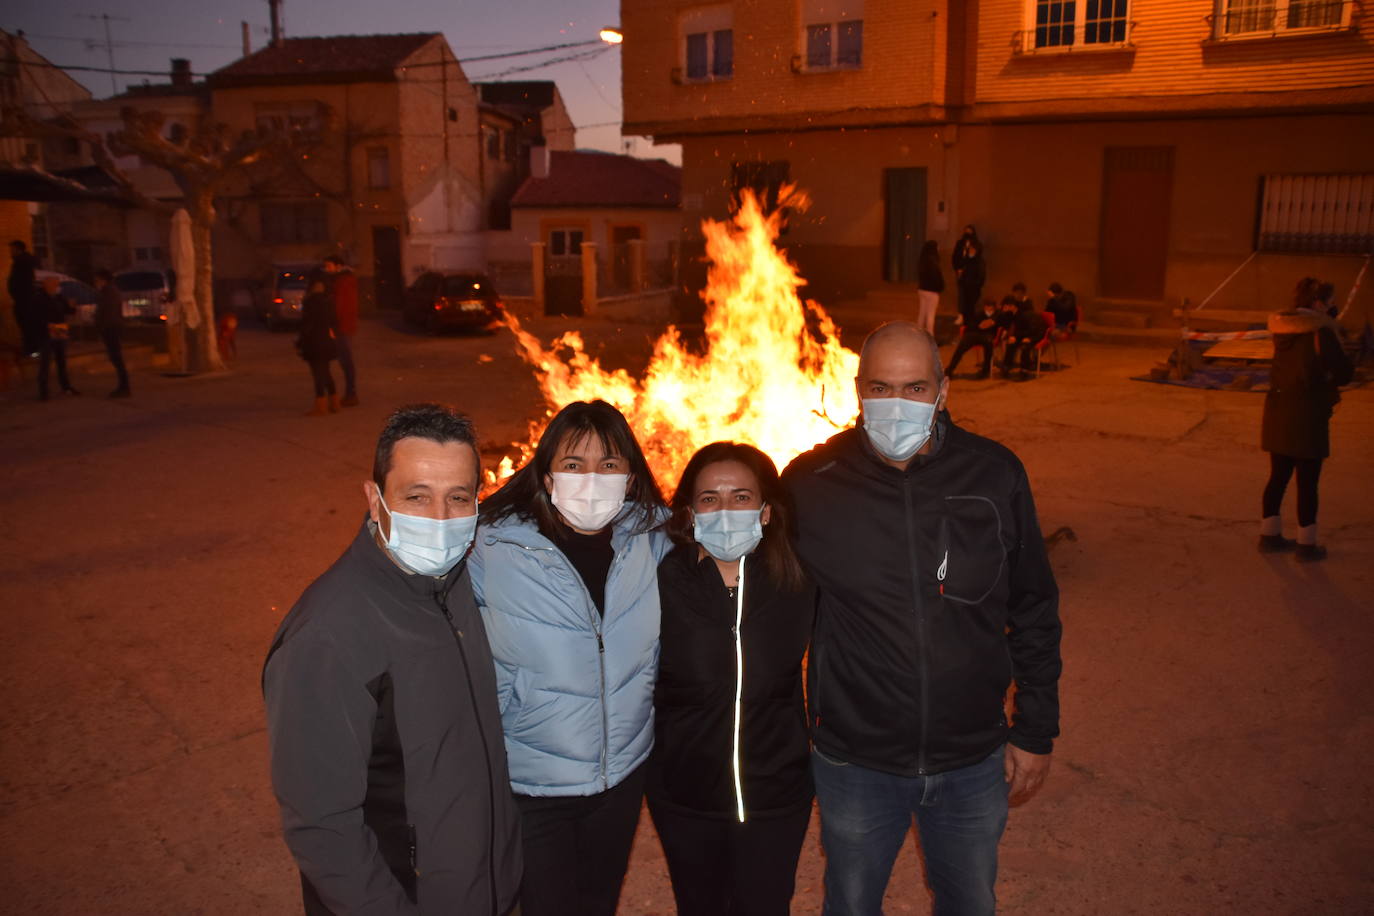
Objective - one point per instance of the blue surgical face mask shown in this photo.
(728, 534)
(898, 427)
(428, 546)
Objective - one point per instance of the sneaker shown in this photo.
(1275, 543)
(1308, 553)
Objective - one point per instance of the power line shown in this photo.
(508, 54)
(128, 44)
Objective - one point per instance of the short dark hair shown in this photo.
(1056, 288)
(435, 422)
(524, 495)
(775, 550)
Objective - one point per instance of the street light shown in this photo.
(612, 35)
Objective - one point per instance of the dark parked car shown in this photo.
(146, 293)
(453, 302)
(279, 305)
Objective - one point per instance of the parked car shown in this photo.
(280, 304)
(146, 292)
(82, 296)
(452, 302)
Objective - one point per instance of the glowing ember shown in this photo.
(764, 378)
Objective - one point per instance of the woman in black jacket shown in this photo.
(729, 786)
(316, 342)
(970, 273)
(1309, 367)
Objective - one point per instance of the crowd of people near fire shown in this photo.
(468, 710)
(1013, 324)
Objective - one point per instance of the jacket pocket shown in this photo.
(972, 554)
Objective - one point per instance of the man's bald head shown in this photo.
(900, 339)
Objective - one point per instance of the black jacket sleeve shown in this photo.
(1033, 631)
(1337, 365)
(319, 728)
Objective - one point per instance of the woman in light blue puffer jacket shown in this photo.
(565, 572)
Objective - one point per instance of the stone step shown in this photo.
(1120, 318)
(1166, 338)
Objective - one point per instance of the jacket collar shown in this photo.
(373, 556)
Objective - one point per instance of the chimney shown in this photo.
(181, 72)
(275, 7)
(539, 161)
(247, 42)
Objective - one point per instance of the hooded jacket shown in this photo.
(575, 686)
(692, 767)
(1309, 367)
(935, 593)
(386, 744)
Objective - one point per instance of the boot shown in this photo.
(333, 403)
(319, 410)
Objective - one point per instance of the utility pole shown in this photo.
(109, 43)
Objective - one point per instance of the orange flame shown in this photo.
(764, 378)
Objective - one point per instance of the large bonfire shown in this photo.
(764, 377)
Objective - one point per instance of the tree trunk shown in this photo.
(202, 212)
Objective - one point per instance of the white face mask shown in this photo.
(588, 502)
(898, 427)
(428, 546)
(728, 534)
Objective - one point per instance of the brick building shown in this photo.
(1135, 150)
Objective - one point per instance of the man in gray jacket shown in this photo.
(387, 755)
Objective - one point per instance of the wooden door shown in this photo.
(905, 198)
(1137, 185)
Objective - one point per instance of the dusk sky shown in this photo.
(148, 33)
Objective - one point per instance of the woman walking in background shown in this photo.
(930, 284)
(315, 343)
(970, 273)
(729, 784)
(1309, 367)
(565, 572)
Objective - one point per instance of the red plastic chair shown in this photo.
(1046, 342)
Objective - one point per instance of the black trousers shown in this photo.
(720, 867)
(324, 379)
(52, 350)
(1281, 468)
(577, 849)
(115, 351)
(970, 304)
(1027, 351)
(967, 342)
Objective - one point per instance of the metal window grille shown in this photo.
(1328, 214)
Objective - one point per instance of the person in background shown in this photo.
(52, 309)
(109, 320)
(1326, 300)
(1308, 370)
(316, 342)
(382, 724)
(1027, 329)
(729, 783)
(21, 286)
(565, 572)
(936, 594)
(930, 284)
(344, 287)
(970, 273)
(1064, 304)
(983, 334)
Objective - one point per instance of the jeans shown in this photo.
(1281, 469)
(865, 816)
(343, 344)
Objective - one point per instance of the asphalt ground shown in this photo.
(1215, 701)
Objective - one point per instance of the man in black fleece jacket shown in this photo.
(935, 594)
(382, 718)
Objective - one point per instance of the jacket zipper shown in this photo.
(739, 689)
(442, 601)
(920, 626)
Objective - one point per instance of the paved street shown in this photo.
(1214, 700)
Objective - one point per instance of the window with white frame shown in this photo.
(1239, 18)
(708, 43)
(565, 242)
(1086, 23)
(1330, 214)
(832, 34)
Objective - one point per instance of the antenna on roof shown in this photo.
(109, 45)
